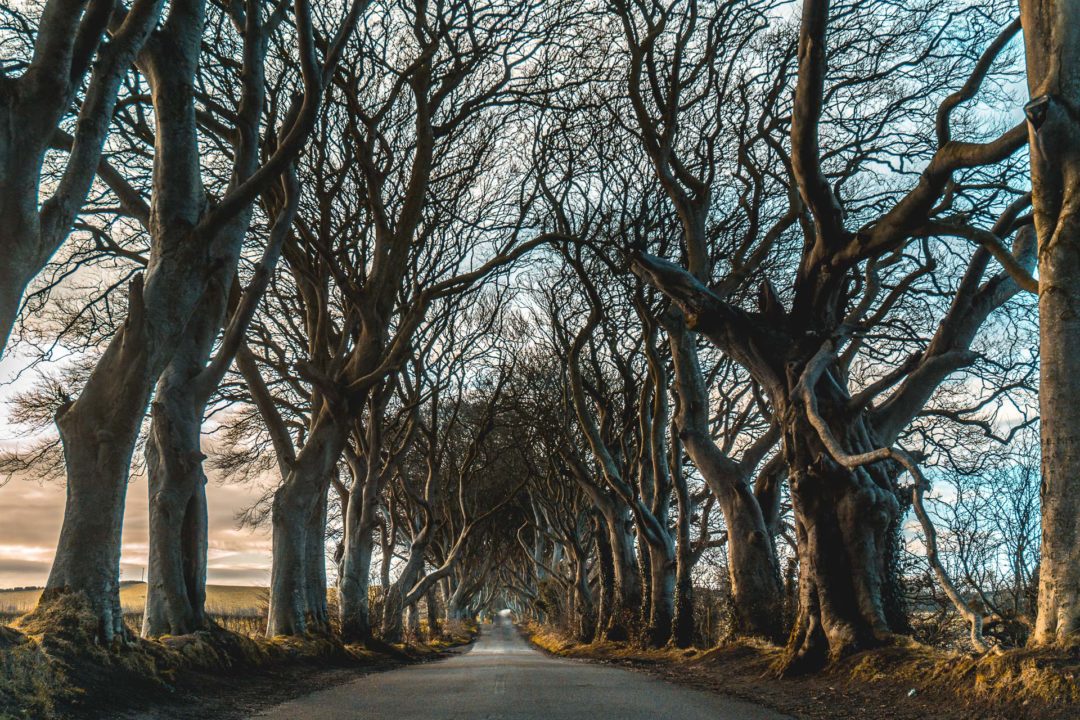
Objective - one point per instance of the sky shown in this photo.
(32, 513)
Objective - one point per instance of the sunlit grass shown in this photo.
(238, 608)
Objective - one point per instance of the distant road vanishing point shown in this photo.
(503, 678)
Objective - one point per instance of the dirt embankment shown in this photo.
(51, 668)
(908, 682)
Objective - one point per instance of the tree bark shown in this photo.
(412, 623)
(432, 603)
(626, 585)
(844, 520)
(584, 607)
(176, 572)
(299, 560)
(456, 608)
(394, 605)
(1052, 41)
(753, 568)
(318, 615)
(682, 632)
(661, 596)
(605, 572)
(361, 519)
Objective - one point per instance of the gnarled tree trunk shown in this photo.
(605, 575)
(391, 629)
(431, 600)
(318, 615)
(176, 573)
(626, 585)
(99, 429)
(844, 522)
(682, 630)
(661, 595)
(584, 606)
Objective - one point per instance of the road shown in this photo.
(502, 677)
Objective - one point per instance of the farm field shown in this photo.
(221, 600)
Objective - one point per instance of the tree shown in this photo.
(190, 239)
(1053, 64)
(75, 41)
(837, 439)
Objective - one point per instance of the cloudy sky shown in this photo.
(31, 514)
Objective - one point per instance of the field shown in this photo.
(240, 608)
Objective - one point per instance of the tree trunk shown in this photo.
(644, 573)
(661, 595)
(176, 574)
(318, 616)
(288, 598)
(1052, 40)
(98, 432)
(456, 607)
(605, 571)
(20, 188)
(432, 602)
(752, 564)
(412, 623)
(361, 520)
(299, 560)
(394, 604)
(391, 628)
(843, 520)
(13, 283)
(585, 610)
(87, 558)
(626, 588)
(682, 632)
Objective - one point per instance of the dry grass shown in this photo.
(1042, 681)
(240, 609)
(556, 643)
(220, 599)
(906, 681)
(51, 667)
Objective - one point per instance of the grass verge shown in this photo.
(905, 682)
(51, 668)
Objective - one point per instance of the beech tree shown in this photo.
(698, 49)
(559, 299)
(178, 533)
(190, 239)
(1053, 66)
(838, 441)
(79, 48)
(418, 111)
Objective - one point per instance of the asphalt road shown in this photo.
(503, 678)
